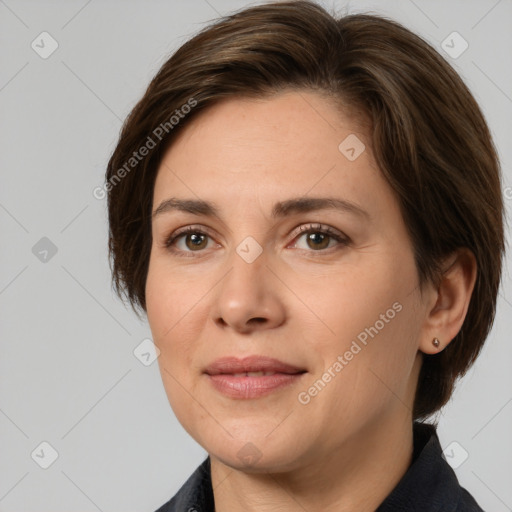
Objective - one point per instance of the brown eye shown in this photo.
(319, 238)
(197, 240)
(187, 240)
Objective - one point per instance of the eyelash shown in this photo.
(304, 229)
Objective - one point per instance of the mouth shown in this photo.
(251, 377)
(251, 374)
(250, 366)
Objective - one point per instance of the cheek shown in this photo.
(166, 304)
(168, 311)
(362, 380)
(354, 301)
(176, 311)
(373, 323)
(168, 299)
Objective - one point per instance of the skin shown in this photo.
(303, 302)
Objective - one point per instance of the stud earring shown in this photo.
(436, 342)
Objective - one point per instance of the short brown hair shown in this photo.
(429, 138)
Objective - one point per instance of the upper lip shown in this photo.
(230, 365)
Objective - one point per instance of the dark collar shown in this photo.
(429, 485)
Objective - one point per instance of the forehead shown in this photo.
(290, 144)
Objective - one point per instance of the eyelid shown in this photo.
(317, 226)
(189, 229)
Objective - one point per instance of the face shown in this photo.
(261, 265)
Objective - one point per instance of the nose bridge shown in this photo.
(247, 297)
(247, 280)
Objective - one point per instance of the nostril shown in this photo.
(258, 320)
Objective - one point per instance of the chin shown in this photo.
(257, 453)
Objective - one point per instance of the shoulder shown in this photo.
(195, 494)
(467, 503)
(430, 484)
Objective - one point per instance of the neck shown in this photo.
(357, 475)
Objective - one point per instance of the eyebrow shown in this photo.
(280, 209)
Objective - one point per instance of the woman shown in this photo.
(309, 211)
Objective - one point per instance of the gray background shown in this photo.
(68, 372)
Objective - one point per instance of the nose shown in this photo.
(249, 297)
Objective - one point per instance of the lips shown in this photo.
(251, 366)
(251, 377)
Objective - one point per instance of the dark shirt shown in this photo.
(429, 485)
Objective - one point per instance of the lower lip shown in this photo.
(252, 387)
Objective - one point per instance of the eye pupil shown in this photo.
(196, 239)
(317, 239)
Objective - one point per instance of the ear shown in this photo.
(449, 304)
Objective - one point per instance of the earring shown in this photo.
(436, 342)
